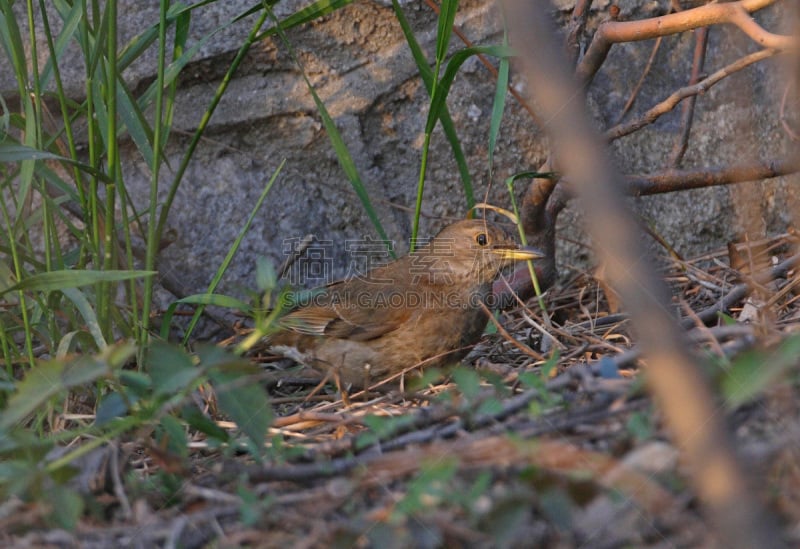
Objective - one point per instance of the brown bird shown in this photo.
(421, 310)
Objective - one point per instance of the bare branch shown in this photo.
(575, 27)
(679, 95)
(681, 180)
(672, 372)
(638, 87)
(687, 115)
(783, 117)
(736, 13)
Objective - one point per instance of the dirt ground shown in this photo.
(537, 441)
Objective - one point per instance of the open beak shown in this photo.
(518, 254)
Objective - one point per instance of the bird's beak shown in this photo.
(518, 254)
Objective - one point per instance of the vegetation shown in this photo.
(103, 412)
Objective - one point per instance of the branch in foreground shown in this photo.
(673, 375)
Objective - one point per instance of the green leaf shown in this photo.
(437, 105)
(197, 420)
(47, 379)
(17, 153)
(726, 319)
(175, 433)
(218, 300)
(173, 70)
(529, 175)
(532, 380)
(246, 403)
(447, 16)
(112, 406)
(266, 277)
(59, 280)
(66, 506)
(558, 508)
(468, 382)
(234, 248)
(550, 364)
(501, 90)
(305, 15)
(88, 314)
(69, 25)
(5, 119)
(18, 476)
(385, 426)
(134, 49)
(426, 73)
(68, 342)
(490, 406)
(138, 382)
(13, 152)
(430, 376)
(134, 121)
(171, 368)
(431, 484)
(214, 356)
(754, 371)
(640, 425)
(443, 86)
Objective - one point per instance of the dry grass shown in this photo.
(564, 452)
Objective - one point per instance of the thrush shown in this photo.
(422, 310)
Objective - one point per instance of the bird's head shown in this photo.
(471, 249)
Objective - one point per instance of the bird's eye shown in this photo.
(481, 239)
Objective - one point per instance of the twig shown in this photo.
(503, 332)
(688, 91)
(687, 115)
(116, 479)
(673, 374)
(210, 494)
(740, 291)
(640, 83)
(736, 13)
(679, 180)
(701, 328)
(305, 472)
(298, 250)
(575, 28)
(784, 122)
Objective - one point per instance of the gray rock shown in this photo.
(362, 69)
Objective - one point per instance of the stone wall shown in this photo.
(362, 69)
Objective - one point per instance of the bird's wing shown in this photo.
(360, 320)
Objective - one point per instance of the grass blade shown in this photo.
(58, 280)
(444, 84)
(426, 73)
(438, 98)
(88, 314)
(305, 15)
(342, 153)
(233, 249)
(499, 104)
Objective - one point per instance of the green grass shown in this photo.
(78, 295)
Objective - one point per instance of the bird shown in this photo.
(421, 310)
